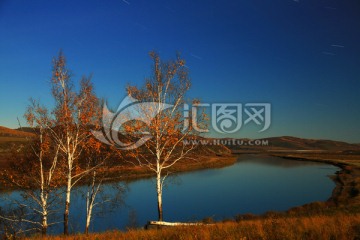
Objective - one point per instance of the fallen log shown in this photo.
(159, 224)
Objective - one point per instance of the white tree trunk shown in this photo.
(88, 219)
(44, 224)
(67, 205)
(159, 195)
(90, 200)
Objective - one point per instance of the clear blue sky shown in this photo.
(301, 56)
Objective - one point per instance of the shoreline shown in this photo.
(132, 173)
(347, 180)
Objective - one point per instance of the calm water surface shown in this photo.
(254, 184)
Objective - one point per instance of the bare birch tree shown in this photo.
(164, 147)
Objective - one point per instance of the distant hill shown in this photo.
(310, 144)
(287, 143)
(25, 129)
(283, 143)
(14, 133)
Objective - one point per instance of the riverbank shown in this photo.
(347, 180)
(122, 170)
(131, 172)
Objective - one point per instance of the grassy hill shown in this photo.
(11, 139)
(287, 142)
(7, 133)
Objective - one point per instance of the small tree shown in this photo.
(164, 148)
(35, 173)
(65, 133)
(95, 155)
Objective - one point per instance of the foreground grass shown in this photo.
(339, 226)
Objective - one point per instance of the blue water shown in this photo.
(254, 184)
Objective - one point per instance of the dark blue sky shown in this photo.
(301, 56)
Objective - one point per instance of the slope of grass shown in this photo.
(7, 132)
(340, 226)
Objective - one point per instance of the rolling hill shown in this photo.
(287, 143)
(10, 140)
(284, 143)
(14, 133)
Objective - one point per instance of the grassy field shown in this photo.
(7, 144)
(339, 226)
(12, 139)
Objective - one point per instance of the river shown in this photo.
(254, 184)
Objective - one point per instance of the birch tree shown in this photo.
(67, 131)
(37, 117)
(95, 156)
(35, 174)
(99, 198)
(74, 113)
(164, 148)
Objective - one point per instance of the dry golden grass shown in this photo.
(7, 132)
(12, 139)
(339, 226)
